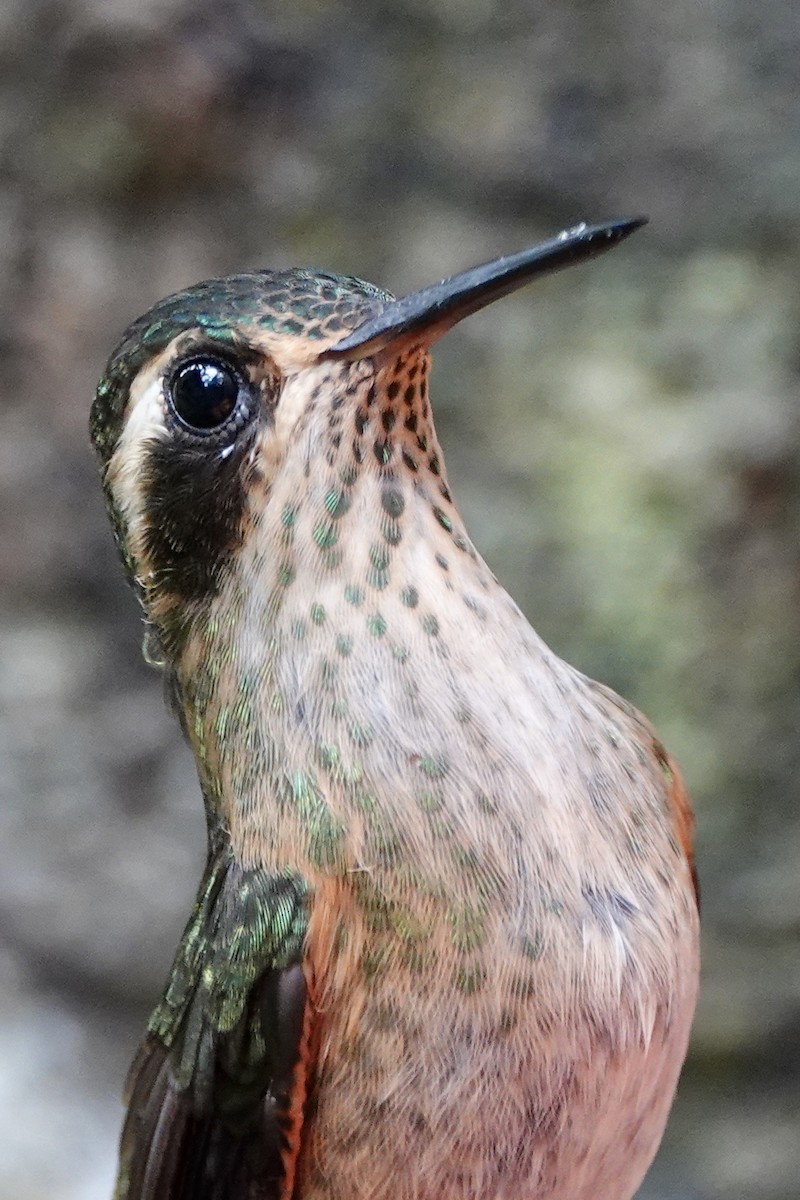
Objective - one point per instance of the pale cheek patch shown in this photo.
(144, 423)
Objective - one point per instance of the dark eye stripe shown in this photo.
(194, 499)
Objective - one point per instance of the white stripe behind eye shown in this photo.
(144, 423)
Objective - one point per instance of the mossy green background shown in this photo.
(623, 439)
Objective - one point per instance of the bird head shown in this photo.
(231, 404)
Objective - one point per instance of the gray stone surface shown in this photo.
(624, 441)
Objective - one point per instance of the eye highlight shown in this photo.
(205, 393)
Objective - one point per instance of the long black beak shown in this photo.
(430, 313)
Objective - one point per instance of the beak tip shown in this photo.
(613, 231)
(435, 309)
(631, 224)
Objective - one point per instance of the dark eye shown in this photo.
(204, 392)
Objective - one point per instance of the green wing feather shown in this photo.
(211, 1082)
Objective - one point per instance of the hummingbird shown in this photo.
(445, 946)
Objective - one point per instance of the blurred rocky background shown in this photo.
(624, 440)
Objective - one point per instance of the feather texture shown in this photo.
(211, 1088)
